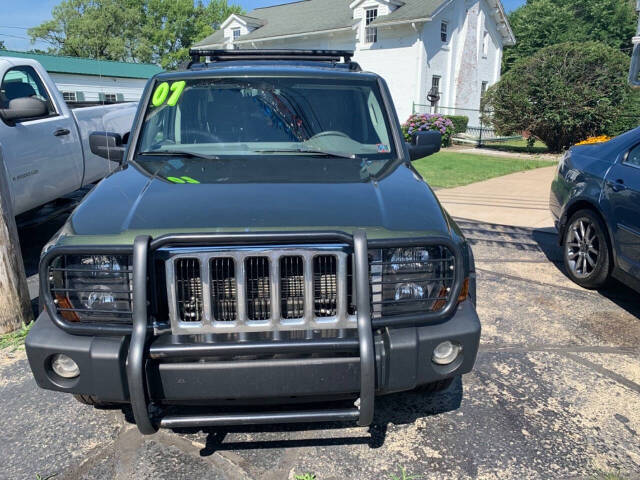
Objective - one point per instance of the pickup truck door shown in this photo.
(43, 157)
(622, 191)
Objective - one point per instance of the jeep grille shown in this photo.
(260, 290)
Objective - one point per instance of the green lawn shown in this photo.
(451, 169)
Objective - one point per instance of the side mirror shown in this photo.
(107, 145)
(424, 144)
(24, 108)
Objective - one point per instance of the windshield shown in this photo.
(215, 118)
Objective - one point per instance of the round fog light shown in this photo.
(64, 366)
(446, 352)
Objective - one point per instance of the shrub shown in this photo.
(563, 94)
(429, 121)
(460, 123)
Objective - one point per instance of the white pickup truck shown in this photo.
(44, 144)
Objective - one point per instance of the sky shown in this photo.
(23, 14)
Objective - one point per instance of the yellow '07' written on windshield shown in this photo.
(161, 93)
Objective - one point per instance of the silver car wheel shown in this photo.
(582, 247)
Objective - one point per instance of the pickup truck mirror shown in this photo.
(107, 145)
(424, 144)
(24, 108)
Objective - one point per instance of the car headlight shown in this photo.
(92, 287)
(411, 280)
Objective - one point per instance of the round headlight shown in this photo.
(408, 291)
(100, 299)
(64, 366)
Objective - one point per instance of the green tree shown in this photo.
(565, 93)
(172, 26)
(159, 31)
(540, 23)
(2, 47)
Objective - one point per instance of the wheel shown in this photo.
(586, 250)
(92, 401)
(434, 387)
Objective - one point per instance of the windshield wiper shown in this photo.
(309, 150)
(177, 153)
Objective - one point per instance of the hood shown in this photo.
(329, 195)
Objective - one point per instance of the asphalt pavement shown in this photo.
(555, 394)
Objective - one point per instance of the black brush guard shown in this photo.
(143, 346)
(136, 360)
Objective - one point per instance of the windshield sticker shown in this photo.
(160, 95)
(176, 88)
(383, 148)
(182, 180)
(162, 92)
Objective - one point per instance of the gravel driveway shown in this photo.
(555, 393)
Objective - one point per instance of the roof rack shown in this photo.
(332, 56)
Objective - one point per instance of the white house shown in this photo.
(451, 46)
(86, 81)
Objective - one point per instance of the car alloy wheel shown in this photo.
(583, 247)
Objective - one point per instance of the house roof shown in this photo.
(86, 66)
(305, 16)
(412, 10)
(313, 16)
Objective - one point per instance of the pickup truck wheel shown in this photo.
(92, 401)
(586, 250)
(434, 387)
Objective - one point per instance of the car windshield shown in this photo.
(217, 118)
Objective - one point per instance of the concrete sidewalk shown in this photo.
(520, 199)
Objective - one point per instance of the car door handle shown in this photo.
(61, 132)
(618, 185)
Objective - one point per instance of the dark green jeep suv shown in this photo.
(264, 249)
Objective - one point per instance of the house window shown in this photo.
(236, 33)
(370, 33)
(69, 96)
(110, 97)
(444, 32)
(483, 88)
(485, 45)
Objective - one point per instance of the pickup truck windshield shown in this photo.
(266, 116)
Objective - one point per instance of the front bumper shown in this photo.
(402, 362)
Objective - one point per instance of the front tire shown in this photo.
(587, 257)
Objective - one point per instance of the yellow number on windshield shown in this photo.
(176, 88)
(162, 92)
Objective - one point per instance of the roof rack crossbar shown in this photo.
(333, 56)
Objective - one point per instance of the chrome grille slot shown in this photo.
(325, 285)
(224, 298)
(292, 287)
(258, 288)
(189, 289)
(244, 289)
